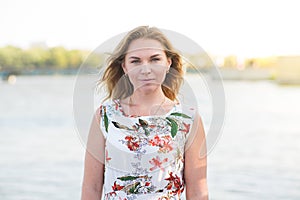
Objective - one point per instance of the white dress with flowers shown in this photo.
(144, 155)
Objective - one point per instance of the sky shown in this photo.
(246, 28)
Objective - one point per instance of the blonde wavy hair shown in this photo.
(118, 85)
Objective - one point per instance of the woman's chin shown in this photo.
(148, 88)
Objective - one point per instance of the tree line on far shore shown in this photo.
(59, 58)
(15, 58)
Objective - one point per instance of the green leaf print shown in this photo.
(128, 178)
(180, 115)
(174, 126)
(146, 131)
(120, 126)
(105, 119)
(144, 125)
(134, 188)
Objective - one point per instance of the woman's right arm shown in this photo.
(94, 163)
(93, 178)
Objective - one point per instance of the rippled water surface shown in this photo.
(256, 157)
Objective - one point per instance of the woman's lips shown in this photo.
(147, 80)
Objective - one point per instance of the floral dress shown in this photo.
(144, 155)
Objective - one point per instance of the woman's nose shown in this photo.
(146, 69)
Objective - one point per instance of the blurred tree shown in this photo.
(58, 58)
(93, 59)
(230, 61)
(36, 57)
(75, 58)
(265, 62)
(193, 62)
(11, 57)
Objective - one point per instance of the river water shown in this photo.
(256, 156)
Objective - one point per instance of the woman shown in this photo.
(143, 143)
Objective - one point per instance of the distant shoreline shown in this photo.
(224, 73)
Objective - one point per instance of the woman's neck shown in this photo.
(144, 100)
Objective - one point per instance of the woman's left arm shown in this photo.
(195, 161)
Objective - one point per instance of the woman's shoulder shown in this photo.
(187, 109)
(108, 107)
(106, 112)
(108, 103)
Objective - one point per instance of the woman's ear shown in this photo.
(124, 68)
(169, 63)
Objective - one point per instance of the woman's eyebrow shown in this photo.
(133, 57)
(155, 55)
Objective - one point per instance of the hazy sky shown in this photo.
(241, 27)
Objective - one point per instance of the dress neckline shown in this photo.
(120, 109)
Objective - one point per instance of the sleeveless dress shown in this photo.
(144, 155)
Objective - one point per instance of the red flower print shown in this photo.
(117, 187)
(129, 138)
(116, 106)
(157, 163)
(175, 184)
(100, 110)
(106, 156)
(186, 128)
(164, 143)
(155, 141)
(132, 143)
(147, 184)
(152, 126)
(163, 198)
(110, 194)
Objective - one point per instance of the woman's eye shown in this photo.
(135, 61)
(155, 59)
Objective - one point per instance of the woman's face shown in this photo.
(146, 64)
